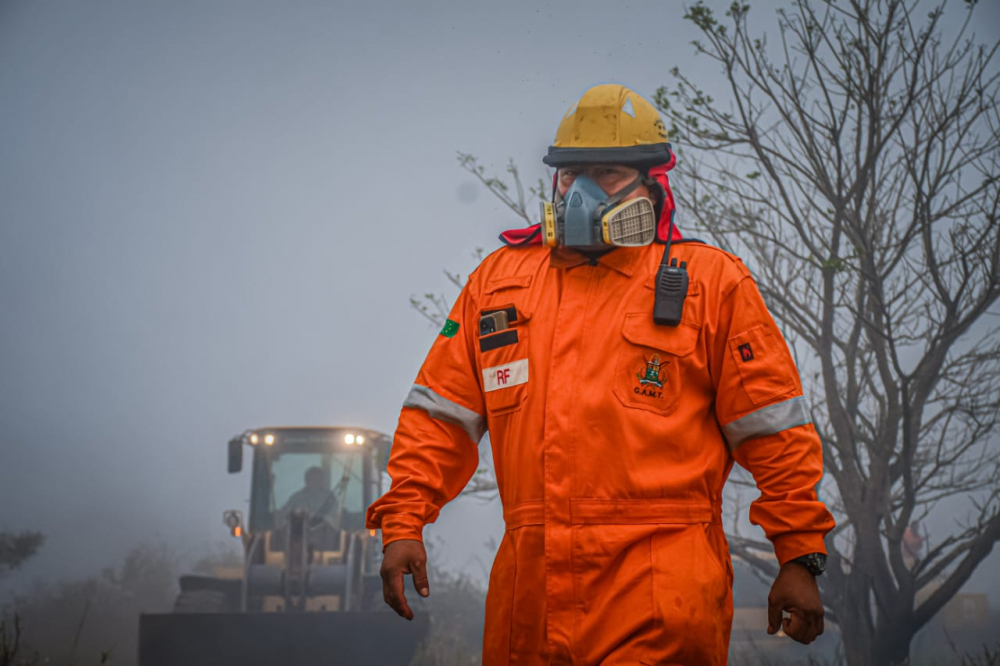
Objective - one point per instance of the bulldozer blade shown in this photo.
(288, 639)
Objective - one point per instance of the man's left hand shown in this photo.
(795, 591)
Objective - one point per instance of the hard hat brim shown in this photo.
(640, 157)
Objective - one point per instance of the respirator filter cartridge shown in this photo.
(629, 224)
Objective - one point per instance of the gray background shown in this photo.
(213, 214)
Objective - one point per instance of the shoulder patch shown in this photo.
(450, 328)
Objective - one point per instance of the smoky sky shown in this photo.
(213, 215)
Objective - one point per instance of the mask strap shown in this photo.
(624, 192)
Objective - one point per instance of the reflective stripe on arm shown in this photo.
(421, 397)
(767, 421)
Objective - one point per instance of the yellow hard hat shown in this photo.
(610, 124)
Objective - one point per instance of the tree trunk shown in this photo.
(846, 593)
(892, 645)
(867, 643)
(855, 630)
(857, 645)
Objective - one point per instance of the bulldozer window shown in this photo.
(322, 484)
(328, 487)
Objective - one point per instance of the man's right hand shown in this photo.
(400, 558)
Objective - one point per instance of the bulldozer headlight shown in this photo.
(269, 439)
(254, 439)
(348, 439)
(359, 440)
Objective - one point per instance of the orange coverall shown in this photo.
(612, 439)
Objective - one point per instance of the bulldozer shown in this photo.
(308, 591)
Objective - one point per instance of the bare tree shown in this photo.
(435, 306)
(854, 166)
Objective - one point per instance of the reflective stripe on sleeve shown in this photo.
(421, 397)
(767, 421)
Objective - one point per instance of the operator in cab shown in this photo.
(315, 498)
(621, 371)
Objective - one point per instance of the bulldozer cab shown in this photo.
(305, 540)
(316, 474)
(309, 590)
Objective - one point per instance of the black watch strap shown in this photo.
(814, 562)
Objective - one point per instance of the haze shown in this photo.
(213, 215)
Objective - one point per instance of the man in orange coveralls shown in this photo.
(620, 372)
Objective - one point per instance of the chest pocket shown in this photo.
(650, 365)
(502, 357)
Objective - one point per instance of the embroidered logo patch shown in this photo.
(746, 353)
(450, 329)
(650, 378)
(651, 373)
(504, 376)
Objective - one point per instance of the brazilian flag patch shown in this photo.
(450, 329)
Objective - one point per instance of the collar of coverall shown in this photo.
(621, 259)
(530, 236)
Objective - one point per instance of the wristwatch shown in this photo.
(814, 562)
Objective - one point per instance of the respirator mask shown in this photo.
(588, 219)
